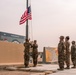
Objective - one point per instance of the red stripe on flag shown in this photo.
(23, 18)
(26, 16)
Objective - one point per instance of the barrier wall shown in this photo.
(11, 53)
(50, 55)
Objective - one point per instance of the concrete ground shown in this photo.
(14, 73)
(43, 69)
(65, 72)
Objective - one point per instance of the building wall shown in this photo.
(11, 52)
(12, 37)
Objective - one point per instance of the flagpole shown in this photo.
(27, 21)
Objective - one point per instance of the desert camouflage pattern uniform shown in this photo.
(26, 53)
(67, 53)
(35, 54)
(73, 54)
(61, 48)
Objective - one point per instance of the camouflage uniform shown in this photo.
(26, 53)
(67, 54)
(61, 54)
(73, 54)
(35, 54)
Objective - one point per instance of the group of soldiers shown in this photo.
(64, 53)
(28, 45)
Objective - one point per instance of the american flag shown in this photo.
(26, 16)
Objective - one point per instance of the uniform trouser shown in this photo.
(35, 60)
(26, 59)
(67, 60)
(74, 60)
(61, 61)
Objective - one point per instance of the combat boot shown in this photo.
(67, 68)
(60, 69)
(73, 66)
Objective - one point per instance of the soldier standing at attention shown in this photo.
(26, 53)
(73, 54)
(67, 52)
(35, 53)
(61, 48)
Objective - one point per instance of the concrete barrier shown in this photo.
(11, 53)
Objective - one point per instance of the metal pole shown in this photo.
(27, 21)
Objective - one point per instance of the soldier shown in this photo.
(35, 53)
(26, 53)
(73, 54)
(67, 52)
(61, 48)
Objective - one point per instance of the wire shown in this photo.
(31, 27)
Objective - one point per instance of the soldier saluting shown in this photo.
(67, 52)
(26, 53)
(61, 48)
(73, 54)
(35, 52)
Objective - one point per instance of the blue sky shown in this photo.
(50, 19)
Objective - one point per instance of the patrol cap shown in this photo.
(61, 37)
(26, 39)
(35, 40)
(67, 37)
(73, 42)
